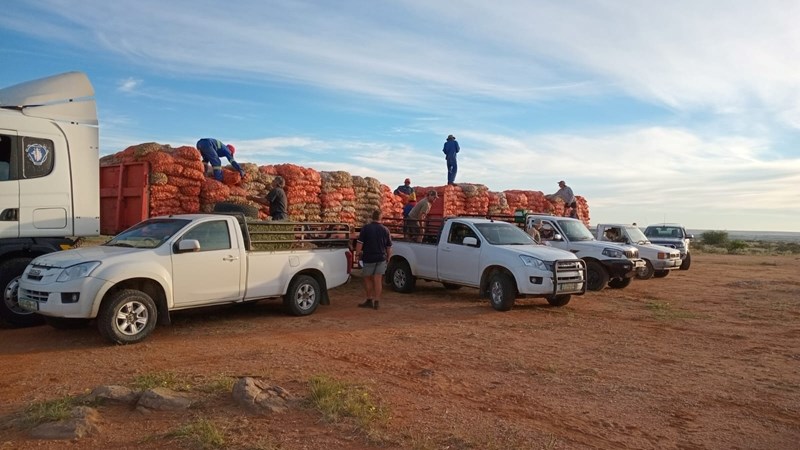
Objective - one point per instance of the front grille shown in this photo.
(632, 253)
(568, 265)
(39, 296)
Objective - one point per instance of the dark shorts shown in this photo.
(378, 268)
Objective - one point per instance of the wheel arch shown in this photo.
(486, 275)
(317, 275)
(147, 285)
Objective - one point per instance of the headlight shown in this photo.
(530, 261)
(78, 271)
(613, 253)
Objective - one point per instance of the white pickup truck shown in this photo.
(178, 262)
(659, 260)
(496, 257)
(607, 264)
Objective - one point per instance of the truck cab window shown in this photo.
(37, 156)
(211, 235)
(6, 143)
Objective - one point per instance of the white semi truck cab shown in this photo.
(49, 176)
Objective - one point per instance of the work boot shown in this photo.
(367, 304)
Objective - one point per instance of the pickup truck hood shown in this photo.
(542, 252)
(68, 258)
(668, 242)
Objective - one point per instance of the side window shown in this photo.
(7, 144)
(37, 156)
(212, 235)
(547, 231)
(457, 233)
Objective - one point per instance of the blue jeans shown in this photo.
(452, 168)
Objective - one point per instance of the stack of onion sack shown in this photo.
(176, 176)
(583, 209)
(451, 197)
(368, 198)
(476, 198)
(302, 188)
(337, 197)
(498, 205)
(391, 205)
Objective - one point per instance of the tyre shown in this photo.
(400, 277)
(661, 273)
(596, 276)
(226, 207)
(619, 283)
(501, 291)
(558, 300)
(686, 262)
(10, 311)
(451, 286)
(646, 272)
(62, 323)
(303, 296)
(127, 317)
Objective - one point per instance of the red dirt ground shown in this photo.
(705, 358)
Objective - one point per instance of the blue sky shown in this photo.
(684, 111)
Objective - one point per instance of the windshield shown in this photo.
(148, 234)
(636, 235)
(575, 230)
(502, 233)
(664, 232)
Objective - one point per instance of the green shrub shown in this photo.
(715, 237)
(736, 245)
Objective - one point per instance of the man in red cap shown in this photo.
(212, 150)
(405, 188)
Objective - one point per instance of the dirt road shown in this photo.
(705, 358)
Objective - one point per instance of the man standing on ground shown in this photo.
(536, 231)
(450, 149)
(418, 214)
(212, 150)
(374, 249)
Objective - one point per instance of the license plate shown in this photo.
(639, 264)
(30, 305)
(570, 286)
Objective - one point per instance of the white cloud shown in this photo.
(129, 85)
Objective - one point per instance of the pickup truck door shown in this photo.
(213, 274)
(9, 186)
(458, 262)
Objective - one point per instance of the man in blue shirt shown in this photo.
(212, 150)
(405, 188)
(374, 249)
(450, 149)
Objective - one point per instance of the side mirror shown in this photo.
(689, 236)
(558, 237)
(188, 245)
(470, 241)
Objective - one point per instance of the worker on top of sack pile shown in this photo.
(405, 188)
(212, 150)
(565, 193)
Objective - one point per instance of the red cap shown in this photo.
(232, 149)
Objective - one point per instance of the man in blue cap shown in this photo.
(450, 149)
(212, 150)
